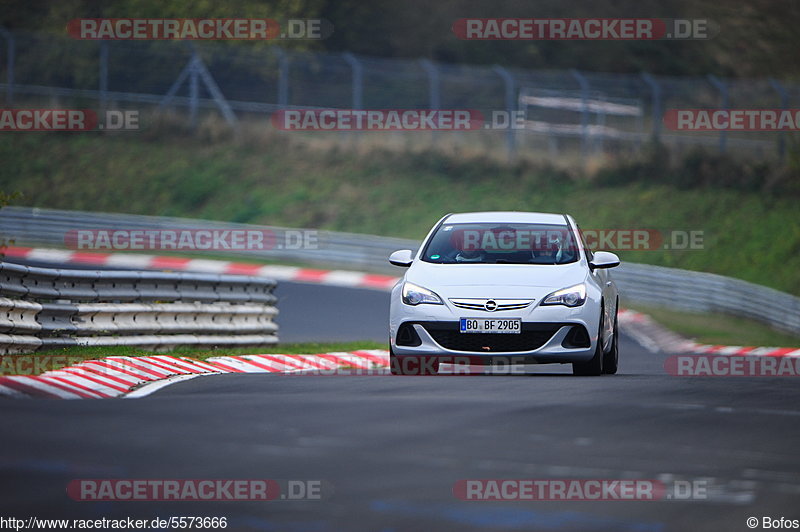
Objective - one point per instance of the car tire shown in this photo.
(593, 367)
(424, 367)
(394, 363)
(611, 359)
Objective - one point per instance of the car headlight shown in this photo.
(574, 296)
(414, 295)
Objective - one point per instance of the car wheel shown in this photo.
(394, 363)
(594, 366)
(611, 359)
(412, 365)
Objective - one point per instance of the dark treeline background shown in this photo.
(757, 38)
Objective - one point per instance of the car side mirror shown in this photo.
(603, 259)
(402, 258)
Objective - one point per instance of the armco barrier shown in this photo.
(355, 251)
(706, 292)
(669, 287)
(45, 308)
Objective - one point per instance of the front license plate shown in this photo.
(497, 326)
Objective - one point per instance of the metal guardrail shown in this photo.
(706, 292)
(27, 226)
(669, 287)
(46, 308)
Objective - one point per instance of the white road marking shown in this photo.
(153, 387)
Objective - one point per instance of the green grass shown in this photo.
(58, 358)
(718, 329)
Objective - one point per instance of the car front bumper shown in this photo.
(553, 324)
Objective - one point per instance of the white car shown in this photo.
(504, 288)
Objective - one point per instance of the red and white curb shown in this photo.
(655, 337)
(155, 262)
(737, 350)
(139, 376)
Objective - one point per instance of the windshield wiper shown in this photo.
(504, 261)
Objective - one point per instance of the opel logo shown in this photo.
(490, 305)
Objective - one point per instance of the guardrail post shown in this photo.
(283, 77)
(723, 90)
(584, 83)
(655, 89)
(358, 80)
(103, 74)
(510, 97)
(784, 105)
(10, 54)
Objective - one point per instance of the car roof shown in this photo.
(506, 217)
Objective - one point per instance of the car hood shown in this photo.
(512, 276)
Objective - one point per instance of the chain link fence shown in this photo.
(244, 81)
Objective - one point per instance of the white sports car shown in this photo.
(504, 288)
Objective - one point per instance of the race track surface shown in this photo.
(390, 449)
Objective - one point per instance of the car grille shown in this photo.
(502, 304)
(533, 336)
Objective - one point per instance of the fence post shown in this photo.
(173, 89)
(784, 105)
(193, 89)
(103, 74)
(219, 98)
(283, 77)
(655, 88)
(510, 97)
(358, 80)
(584, 83)
(434, 88)
(10, 45)
(195, 70)
(723, 90)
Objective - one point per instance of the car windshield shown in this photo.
(493, 243)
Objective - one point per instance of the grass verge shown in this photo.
(750, 226)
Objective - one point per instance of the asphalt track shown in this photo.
(390, 449)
